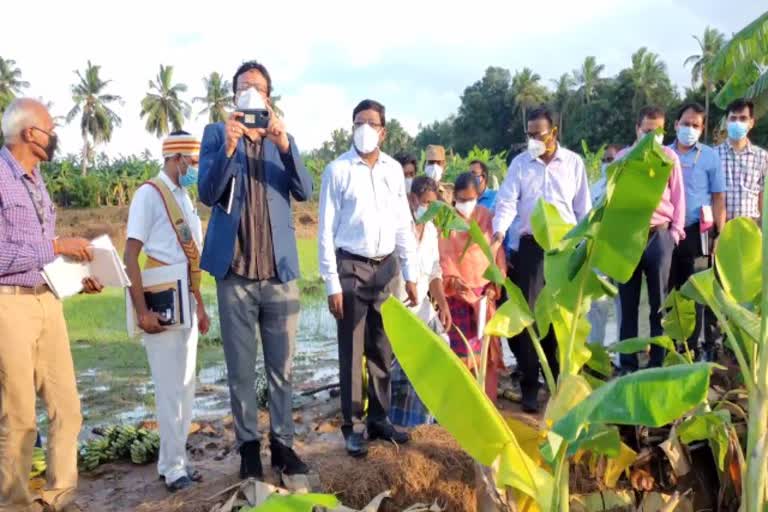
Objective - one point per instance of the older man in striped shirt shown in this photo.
(34, 347)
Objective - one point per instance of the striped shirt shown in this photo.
(745, 173)
(26, 239)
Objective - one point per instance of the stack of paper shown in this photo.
(65, 276)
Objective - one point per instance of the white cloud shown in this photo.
(445, 46)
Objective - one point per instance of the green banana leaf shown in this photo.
(652, 397)
(445, 218)
(712, 426)
(701, 287)
(633, 190)
(739, 259)
(634, 345)
(295, 503)
(562, 320)
(547, 225)
(450, 392)
(492, 273)
(512, 317)
(600, 360)
(602, 439)
(680, 318)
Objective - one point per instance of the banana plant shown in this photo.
(580, 416)
(735, 291)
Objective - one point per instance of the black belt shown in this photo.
(342, 254)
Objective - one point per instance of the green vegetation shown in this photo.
(163, 106)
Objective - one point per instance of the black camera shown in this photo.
(255, 118)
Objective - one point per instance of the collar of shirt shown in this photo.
(695, 147)
(353, 156)
(748, 149)
(15, 166)
(168, 181)
(558, 156)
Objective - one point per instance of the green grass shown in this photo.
(97, 330)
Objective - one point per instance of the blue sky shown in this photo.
(414, 56)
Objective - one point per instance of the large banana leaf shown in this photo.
(634, 186)
(450, 392)
(512, 317)
(739, 259)
(547, 225)
(680, 318)
(710, 425)
(652, 398)
(748, 44)
(701, 287)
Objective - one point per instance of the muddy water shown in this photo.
(127, 395)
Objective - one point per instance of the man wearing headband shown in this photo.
(163, 222)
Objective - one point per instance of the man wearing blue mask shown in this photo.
(163, 222)
(487, 195)
(704, 183)
(745, 165)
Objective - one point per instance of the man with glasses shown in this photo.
(704, 215)
(549, 171)
(250, 176)
(365, 239)
(35, 356)
(745, 164)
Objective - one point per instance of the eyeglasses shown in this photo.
(538, 136)
(246, 85)
(374, 125)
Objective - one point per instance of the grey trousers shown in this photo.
(250, 311)
(365, 286)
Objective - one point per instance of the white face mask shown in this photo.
(536, 148)
(659, 137)
(408, 185)
(366, 139)
(250, 99)
(420, 211)
(466, 207)
(434, 171)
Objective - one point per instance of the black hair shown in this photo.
(739, 105)
(541, 112)
(249, 66)
(464, 181)
(615, 147)
(407, 158)
(482, 166)
(423, 184)
(651, 112)
(371, 105)
(695, 106)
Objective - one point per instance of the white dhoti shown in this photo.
(172, 359)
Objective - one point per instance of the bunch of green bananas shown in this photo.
(121, 439)
(38, 463)
(145, 447)
(93, 453)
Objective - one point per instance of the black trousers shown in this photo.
(655, 264)
(687, 259)
(527, 272)
(365, 286)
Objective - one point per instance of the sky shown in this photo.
(416, 57)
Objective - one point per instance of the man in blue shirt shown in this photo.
(705, 213)
(487, 196)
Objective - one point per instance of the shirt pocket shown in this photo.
(750, 182)
(21, 220)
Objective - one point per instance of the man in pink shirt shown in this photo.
(666, 230)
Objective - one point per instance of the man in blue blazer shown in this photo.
(249, 177)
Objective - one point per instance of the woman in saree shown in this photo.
(465, 285)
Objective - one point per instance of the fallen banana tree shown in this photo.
(583, 410)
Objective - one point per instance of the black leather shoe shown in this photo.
(179, 484)
(356, 445)
(250, 460)
(530, 404)
(285, 460)
(387, 432)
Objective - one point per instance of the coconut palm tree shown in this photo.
(588, 77)
(562, 98)
(97, 120)
(162, 105)
(218, 98)
(528, 92)
(710, 44)
(648, 73)
(11, 83)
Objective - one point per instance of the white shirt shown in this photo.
(563, 183)
(364, 211)
(149, 224)
(427, 264)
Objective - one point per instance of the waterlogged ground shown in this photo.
(116, 387)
